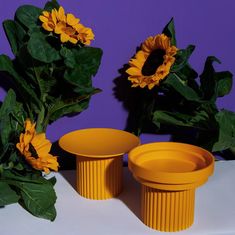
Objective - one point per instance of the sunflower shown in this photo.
(67, 26)
(67, 33)
(152, 63)
(35, 148)
(85, 35)
(49, 20)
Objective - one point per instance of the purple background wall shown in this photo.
(120, 26)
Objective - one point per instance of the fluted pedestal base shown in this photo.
(168, 211)
(99, 178)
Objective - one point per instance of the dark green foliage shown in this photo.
(50, 80)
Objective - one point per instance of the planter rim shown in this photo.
(171, 163)
(98, 142)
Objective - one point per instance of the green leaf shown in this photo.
(51, 5)
(214, 84)
(84, 63)
(226, 122)
(175, 119)
(41, 50)
(15, 34)
(69, 106)
(224, 83)
(7, 195)
(11, 112)
(38, 199)
(207, 79)
(182, 57)
(198, 120)
(169, 31)
(181, 86)
(37, 73)
(36, 193)
(26, 92)
(28, 15)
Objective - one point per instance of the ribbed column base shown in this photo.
(99, 178)
(168, 211)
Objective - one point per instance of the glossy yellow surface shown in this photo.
(98, 142)
(171, 163)
(169, 173)
(99, 153)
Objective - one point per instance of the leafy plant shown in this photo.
(51, 77)
(180, 101)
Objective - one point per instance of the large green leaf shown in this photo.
(36, 193)
(69, 106)
(15, 34)
(224, 83)
(28, 15)
(82, 63)
(38, 199)
(25, 90)
(226, 122)
(214, 84)
(169, 31)
(198, 120)
(181, 86)
(7, 195)
(207, 79)
(38, 74)
(175, 119)
(182, 58)
(11, 117)
(40, 49)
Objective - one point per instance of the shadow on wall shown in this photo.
(132, 98)
(137, 123)
(67, 161)
(5, 81)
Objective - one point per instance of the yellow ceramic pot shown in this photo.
(99, 154)
(169, 173)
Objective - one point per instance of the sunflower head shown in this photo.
(67, 26)
(35, 148)
(152, 62)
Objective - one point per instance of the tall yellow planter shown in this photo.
(169, 173)
(99, 153)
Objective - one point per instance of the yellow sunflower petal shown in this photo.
(141, 56)
(53, 16)
(42, 144)
(47, 27)
(39, 158)
(151, 85)
(71, 19)
(61, 14)
(133, 71)
(46, 13)
(29, 126)
(64, 37)
(43, 19)
(73, 40)
(59, 27)
(136, 63)
(151, 77)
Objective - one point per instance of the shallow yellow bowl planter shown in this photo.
(169, 173)
(99, 153)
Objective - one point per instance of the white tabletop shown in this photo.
(214, 210)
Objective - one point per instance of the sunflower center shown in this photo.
(33, 151)
(154, 60)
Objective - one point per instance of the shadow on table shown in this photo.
(130, 195)
(70, 177)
